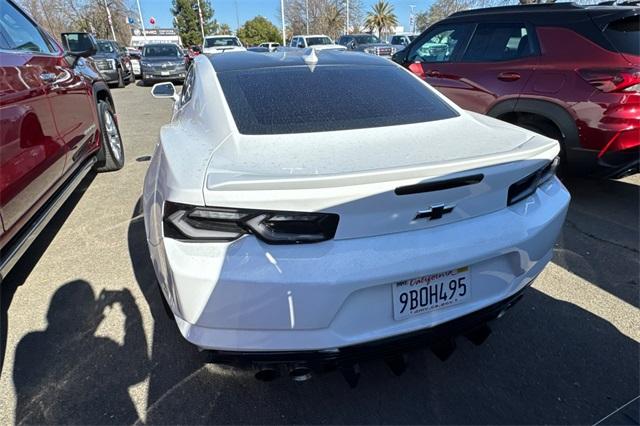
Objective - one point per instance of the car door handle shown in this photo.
(508, 76)
(433, 73)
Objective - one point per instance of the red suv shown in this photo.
(57, 124)
(569, 72)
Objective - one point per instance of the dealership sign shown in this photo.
(170, 32)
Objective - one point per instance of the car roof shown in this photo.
(220, 36)
(311, 35)
(238, 61)
(542, 13)
(160, 44)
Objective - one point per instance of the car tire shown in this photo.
(120, 78)
(552, 132)
(111, 154)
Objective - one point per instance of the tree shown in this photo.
(325, 16)
(187, 20)
(381, 17)
(225, 29)
(258, 30)
(440, 9)
(57, 16)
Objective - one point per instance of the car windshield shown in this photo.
(314, 41)
(328, 98)
(221, 41)
(159, 50)
(105, 47)
(367, 39)
(624, 34)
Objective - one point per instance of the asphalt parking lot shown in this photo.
(86, 338)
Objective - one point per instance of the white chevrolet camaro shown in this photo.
(304, 206)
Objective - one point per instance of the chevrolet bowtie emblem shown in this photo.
(435, 212)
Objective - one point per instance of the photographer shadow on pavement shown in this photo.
(67, 374)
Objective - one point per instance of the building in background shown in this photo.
(154, 35)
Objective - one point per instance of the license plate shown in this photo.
(430, 292)
(164, 72)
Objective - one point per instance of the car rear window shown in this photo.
(315, 41)
(221, 41)
(624, 34)
(302, 99)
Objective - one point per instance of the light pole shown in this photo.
(307, 4)
(144, 33)
(347, 29)
(201, 24)
(237, 17)
(113, 33)
(412, 18)
(284, 40)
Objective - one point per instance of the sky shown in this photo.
(225, 10)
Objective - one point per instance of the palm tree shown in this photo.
(381, 17)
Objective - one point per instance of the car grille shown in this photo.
(104, 65)
(166, 67)
(384, 51)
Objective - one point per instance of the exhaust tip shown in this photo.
(267, 375)
(300, 374)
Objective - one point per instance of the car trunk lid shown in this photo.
(391, 179)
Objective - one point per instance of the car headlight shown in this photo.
(225, 224)
(370, 50)
(112, 63)
(144, 64)
(528, 184)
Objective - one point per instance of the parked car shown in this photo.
(259, 49)
(221, 44)
(402, 39)
(568, 72)
(271, 46)
(365, 219)
(114, 64)
(318, 42)
(162, 62)
(367, 43)
(57, 124)
(135, 56)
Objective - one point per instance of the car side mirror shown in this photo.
(79, 45)
(352, 45)
(164, 90)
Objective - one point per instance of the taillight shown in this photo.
(613, 79)
(224, 224)
(528, 184)
(417, 69)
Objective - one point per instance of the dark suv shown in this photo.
(569, 72)
(57, 124)
(114, 63)
(367, 43)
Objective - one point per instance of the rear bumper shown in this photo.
(384, 348)
(618, 164)
(247, 296)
